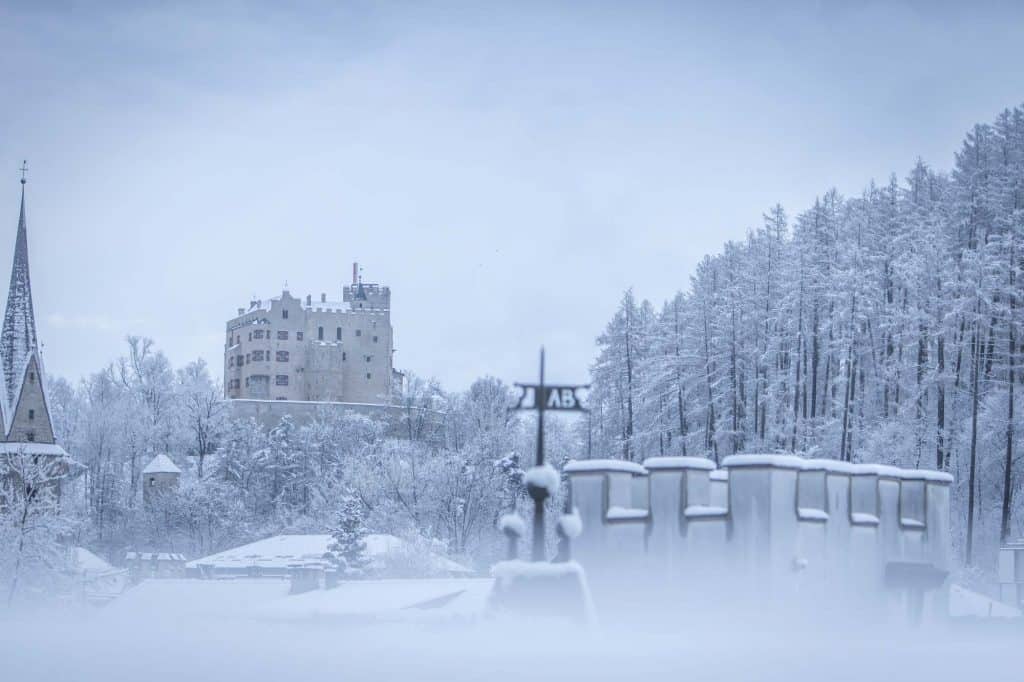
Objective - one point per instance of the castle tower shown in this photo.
(26, 414)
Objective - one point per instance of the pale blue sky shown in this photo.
(508, 169)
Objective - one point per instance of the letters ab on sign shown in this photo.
(553, 398)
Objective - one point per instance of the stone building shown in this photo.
(159, 477)
(24, 410)
(292, 349)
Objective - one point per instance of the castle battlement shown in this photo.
(867, 538)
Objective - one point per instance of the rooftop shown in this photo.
(161, 464)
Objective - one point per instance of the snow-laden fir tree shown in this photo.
(348, 550)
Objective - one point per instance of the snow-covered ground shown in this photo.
(252, 631)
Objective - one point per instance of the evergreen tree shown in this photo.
(348, 550)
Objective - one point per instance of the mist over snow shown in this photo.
(774, 253)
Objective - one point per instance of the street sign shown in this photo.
(555, 397)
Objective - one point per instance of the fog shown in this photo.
(187, 641)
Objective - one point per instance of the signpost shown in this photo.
(545, 397)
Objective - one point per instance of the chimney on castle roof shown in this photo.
(309, 300)
(323, 297)
(355, 274)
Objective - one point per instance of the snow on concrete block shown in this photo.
(656, 463)
(760, 461)
(697, 511)
(599, 466)
(626, 514)
(571, 525)
(544, 477)
(558, 591)
(512, 523)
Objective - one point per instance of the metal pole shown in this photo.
(539, 493)
(540, 412)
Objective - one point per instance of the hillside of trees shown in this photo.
(439, 476)
(884, 327)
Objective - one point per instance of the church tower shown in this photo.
(26, 415)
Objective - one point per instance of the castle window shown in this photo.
(239, 359)
(231, 361)
(369, 358)
(257, 356)
(30, 436)
(298, 336)
(282, 356)
(368, 375)
(284, 313)
(32, 377)
(250, 336)
(359, 332)
(280, 397)
(258, 334)
(247, 355)
(281, 380)
(375, 339)
(337, 334)
(344, 356)
(31, 414)
(152, 481)
(282, 335)
(320, 333)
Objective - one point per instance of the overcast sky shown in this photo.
(508, 169)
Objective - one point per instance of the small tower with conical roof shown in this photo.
(159, 478)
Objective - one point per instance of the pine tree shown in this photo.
(348, 549)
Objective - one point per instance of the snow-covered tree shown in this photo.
(348, 548)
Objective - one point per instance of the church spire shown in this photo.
(18, 334)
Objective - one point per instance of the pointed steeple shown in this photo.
(18, 335)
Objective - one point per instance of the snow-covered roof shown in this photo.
(88, 563)
(44, 449)
(154, 556)
(283, 551)
(161, 464)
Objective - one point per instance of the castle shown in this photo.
(24, 411)
(288, 349)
